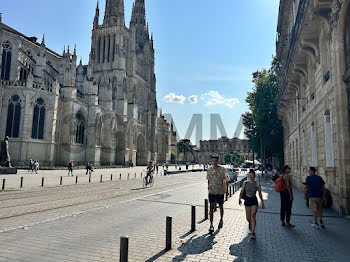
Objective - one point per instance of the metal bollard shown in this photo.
(193, 218)
(135, 175)
(168, 233)
(124, 249)
(230, 190)
(3, 184)
(21, 182)
(89, 178)
(101, 179)
(141, 174)
(76, 179)
(61, 181)
(128, 175)
(111, 177)
(42, 181)
(206, 208)
(120, 177)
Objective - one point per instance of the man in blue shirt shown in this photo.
(315, 187)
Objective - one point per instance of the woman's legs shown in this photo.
(248, 214)
(253, 211)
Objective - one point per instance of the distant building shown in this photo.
(221, 147)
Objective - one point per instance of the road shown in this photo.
(84, 222)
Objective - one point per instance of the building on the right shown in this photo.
(313, 49)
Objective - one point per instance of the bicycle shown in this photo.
(148, 182)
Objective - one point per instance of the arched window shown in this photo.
(13, 116)
(109, 49)
(328, 140)
(80, 133)
(113, 48)
(347, 41)
(104, 49)
(99, 50)
(38, 119)
(6, 61)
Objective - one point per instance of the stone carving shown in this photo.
(5, 159)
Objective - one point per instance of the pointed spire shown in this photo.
(75, 49)
(114, 13)
(138, 21)
(68, 50)
(64, 50)
(97, 16)
(81, 61)
(43, 40)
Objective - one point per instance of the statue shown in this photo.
(5, 159)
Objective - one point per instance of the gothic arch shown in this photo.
(141, 154)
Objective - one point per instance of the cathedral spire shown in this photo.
(43, 40)
(138, 22)
(97, 15)
(114, 13)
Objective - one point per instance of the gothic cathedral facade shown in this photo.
(105, 112)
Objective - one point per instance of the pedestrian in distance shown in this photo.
(88, 168)
(316, 190)
(248, 193)
(36, 166)
(217, 186)
(31, 163)
(286, 197)
(70, 168)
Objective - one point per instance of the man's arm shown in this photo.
(306, 188)
(324, 191)
(289, 188)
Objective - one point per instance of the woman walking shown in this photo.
(248, 193)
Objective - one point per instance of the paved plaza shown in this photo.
(84, 222)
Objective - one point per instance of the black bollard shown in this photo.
(124, 249)
(193, 218)
(76, 179)
(42, 181)
(135, 175)
(60, 181)
(128, 175)
(21, 182)
(120, 177)
(89, 178)
(141, 174)
(206, 208)
(101, 179)
(111, 177)
(230, 190)
(3, 184)
(168, 233)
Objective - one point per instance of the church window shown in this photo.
(347, 41)
(113, 48)
(13, 116)
(38, 119)
(109, 49)
(23, 74)
(80, 132)
(104, 50)
(6, 61)
(99, 50)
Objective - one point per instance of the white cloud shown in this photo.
(193, 99)
(173, 98)
(213, 98)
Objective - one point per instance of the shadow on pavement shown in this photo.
(196, 245)
(155, 257)
(247, 249)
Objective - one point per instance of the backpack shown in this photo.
(280, 186)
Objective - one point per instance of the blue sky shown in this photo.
(206, 50)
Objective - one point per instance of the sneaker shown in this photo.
(211, 229)
(221, 224)
(322, 224)
(252, 236)
(315, 225)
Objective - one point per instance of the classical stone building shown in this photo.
(313, 48)
(222, 146)
(105, 112)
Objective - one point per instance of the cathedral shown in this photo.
(54, 109)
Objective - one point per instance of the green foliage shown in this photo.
(263, 128)
(172, 158)
(234, 158)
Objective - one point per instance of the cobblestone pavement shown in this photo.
(84, 223)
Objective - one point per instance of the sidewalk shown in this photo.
(273, 243)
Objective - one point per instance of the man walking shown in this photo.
(217, 187)
(70, 168)
(286, 198)
(315, 187)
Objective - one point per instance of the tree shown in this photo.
(228, 158)
(263, 128)
(185, 146)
